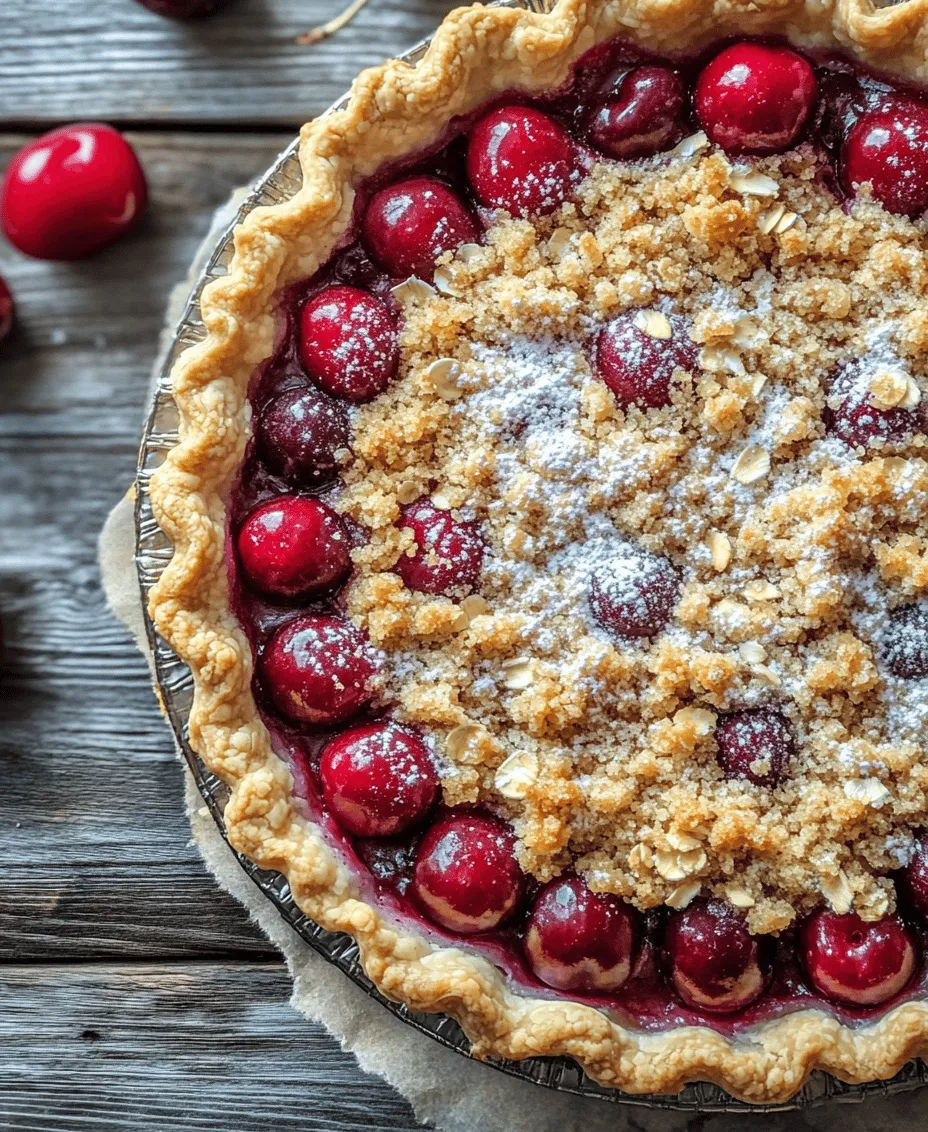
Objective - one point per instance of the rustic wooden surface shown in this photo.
(135, 994)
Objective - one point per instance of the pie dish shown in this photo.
(548, 525)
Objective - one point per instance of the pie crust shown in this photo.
(394, 110)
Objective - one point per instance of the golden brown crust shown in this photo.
(394, 110)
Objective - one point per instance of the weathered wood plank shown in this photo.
(114, 60)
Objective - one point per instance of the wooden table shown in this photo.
(134, 994)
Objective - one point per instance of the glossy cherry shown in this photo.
(299, 435)
(448, 554)
(888, 149)
(579, 940)
(378, 780)
(72, 191)
(644, 114)
(521, 160)
(407, 226)
(851, 415)
(754, 98)
(7, 310)
(713, 962)
(183, 9)
(856, 962)
(318, 669)
(466, 876)
(905, 642)
(756, 745)
(348, 343)
(634, 594)
(292, 547)
(912, 881)
(639, 367)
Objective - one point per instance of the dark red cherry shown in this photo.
(183, 9)
(318, 669)
(378, 780)
(521, 160)
(857, 421)
(72, 191)
(579, 940)
(888, 149)
(348, 343)
(299, 435)
(407, 226)
(466, 877)
(913, 880)
(855, 962)
(7, 310)
(753, 98)
(713, 961)
(292, 547)
(643, 115)
(755, 736)
(639, 367)
(905, 642)
(634, 594)
(842, 100)
(448, 553)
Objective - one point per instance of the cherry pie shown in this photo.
(551, 536)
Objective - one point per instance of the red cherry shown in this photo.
(888, 148)
(183, 9)
(752, 98)
(643, 115)
(855, 962)
(72, 191)
(857, 421)
(634, 594)
(318, 669)
(842, 100)
(913, 880)
(521, 160)
(291, 547)
(299, 435)
(378, 780)
(579, 940)
(639, 368)
(348, 343)
(407, 226)
(448, 555)
(7, 310)
(714, 963)
(755, 735)
(905, 642)
(467, 878)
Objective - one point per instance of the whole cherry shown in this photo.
(299, 435)
(71, 192)
(447, 555)
(887, 148)
(851, 415)
(580, 940)
(348, 343)
(638, 353)
(644, 114)
(755, 744)
(634, 594)
(904, 644)
(857, 962)
(912, 881)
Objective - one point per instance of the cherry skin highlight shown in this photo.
(855, 962)
(299, 435)
(466, 877)
(888, 149)
(318, 669)
(639, 367)
(579, 940)
(757, 735)
(378, 780)
(448, 554)
(348, 343)
(645, 114)
(71, 192)
(755, 99)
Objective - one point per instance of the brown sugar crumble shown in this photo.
(792, 547)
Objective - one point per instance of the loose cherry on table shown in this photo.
(634, 596)
(299, 434)
(643, 114)
(7, 309)
(755, 99)
(905, 642)
(378, 780)
(521, 160)
(183, 9)
(751, 737)
(348, 343)
(294, 547)
(448, 554)
(318, 669)
(466, 875)
(856, 962)
(913, 880)
(71, 192)
(407, 226)
(887, 148)
(713, 961)
(637, 365)
(579, 940)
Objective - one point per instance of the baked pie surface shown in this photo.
(662, 619)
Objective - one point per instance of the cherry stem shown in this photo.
(330, 28)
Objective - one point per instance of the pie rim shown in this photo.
(395, 110)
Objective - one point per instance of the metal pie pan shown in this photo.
(175, 684)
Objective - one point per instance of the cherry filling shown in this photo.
(643, 114)
(755, 745)
(300, 434)
(466, 875)
(634, 595)
(888, 149)
(856, 962)
(348, 343)
(637, 355)
(579, 940)
(448, 552)
(714, 962)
